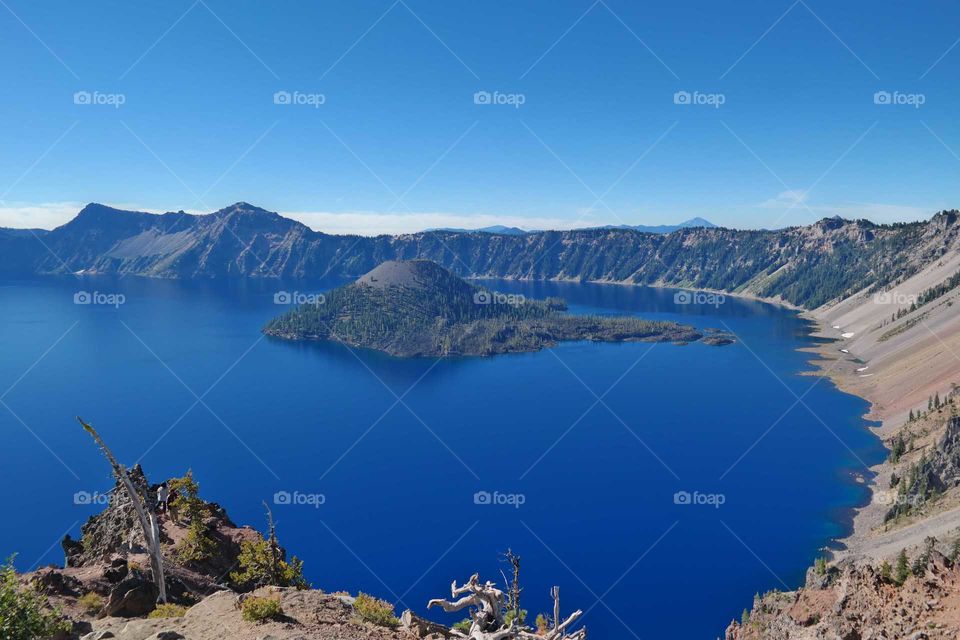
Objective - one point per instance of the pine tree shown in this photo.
(902, 571)
(886, 571)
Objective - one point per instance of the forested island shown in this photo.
(418, 308)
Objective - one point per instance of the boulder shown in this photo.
(117, 570)
(134, 596)
(422, 628)
(53, 582)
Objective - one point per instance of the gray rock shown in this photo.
(134, 596)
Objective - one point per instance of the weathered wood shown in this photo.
(489, 604)
(148, 522)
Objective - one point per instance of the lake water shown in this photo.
(583, 490)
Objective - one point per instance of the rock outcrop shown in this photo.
(858, 602)
(105, 589)
(933, 474)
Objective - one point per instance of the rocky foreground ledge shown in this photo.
(224, 581)
(917, 600)
(900, 581)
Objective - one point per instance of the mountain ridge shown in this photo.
(517, 231)
(806, 266)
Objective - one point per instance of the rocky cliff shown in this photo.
(806, 266)
(861, 602)
(235, 584)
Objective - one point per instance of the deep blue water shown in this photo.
(597, 480)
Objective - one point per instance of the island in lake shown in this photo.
(418, 308)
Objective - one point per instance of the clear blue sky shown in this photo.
(199, 129)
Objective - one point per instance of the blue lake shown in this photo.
(580, 449)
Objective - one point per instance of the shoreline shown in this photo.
(828, 362)
(871, 512)
(824, 355)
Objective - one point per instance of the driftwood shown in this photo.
(148, 521)
(488, 605)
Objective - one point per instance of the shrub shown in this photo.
(510, 615)
(91, 603)
(261, 609)
(256, 567)
(197, 545)
(886, 571)
(543, 624)
(820, 566)
(25, 613)
(168, 610)
(375, 610)
(463, 626)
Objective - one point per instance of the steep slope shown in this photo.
(852, 602)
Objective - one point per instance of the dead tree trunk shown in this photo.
(148, 521)
(487, 617)
(274, 548)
